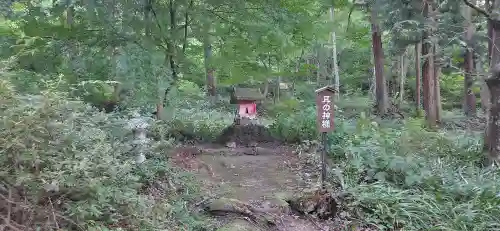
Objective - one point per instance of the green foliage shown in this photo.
(452, 85)
(96, 92)
(56, 147)
(76, 50)
(190, 90)
(423, 181)
(284, 107)
(406, 177)
(192, 119)
(296, 127)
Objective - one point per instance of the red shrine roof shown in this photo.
(246, 94)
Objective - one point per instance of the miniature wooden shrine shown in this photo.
(246, 99)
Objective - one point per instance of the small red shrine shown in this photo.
(246, 99)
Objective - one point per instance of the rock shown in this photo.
(231, 145)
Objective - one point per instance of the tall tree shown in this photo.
(469, 105)
(418, 74)
(492, 132)
(428, 71)
(381, 96)
(209, 71)
(402, 77)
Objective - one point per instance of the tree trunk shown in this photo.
(209, 71)
(147, 17)
(492, 133)
(392, 82)
(297, 72)
(418, 72)
(69, 17)
(147, 32)
(170, 54)
(439, 107)
(469, 105)
(381, 97)
(186, 27)
(489, 27)
(318, 75)
(266, 87)
(268, 67)
(430, 104)
(484, 93)
(402, 78)
(372, 80)
(334, 54)
(278, 87)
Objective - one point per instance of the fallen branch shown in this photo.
(32, 209)
(10, 225)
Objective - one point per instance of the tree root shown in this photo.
(320, 203)
(223, 206)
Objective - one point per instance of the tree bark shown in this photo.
(268, 67)
(428, 72)
(469, 105)
(170, 54)
(489, 32)
(402, 78)
(382, 101)
(484, 93)
(439, 107)
(211, 90)
(277, 94)
(147, 17)
(492, 133)
(186, 27)
(372, 80)
(418, 48)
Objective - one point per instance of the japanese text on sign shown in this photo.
(325, 123)
(325, 109)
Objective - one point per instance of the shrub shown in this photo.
(285, 107)
(296, 127)
(301, 126)
(188, 118)
(66, 165)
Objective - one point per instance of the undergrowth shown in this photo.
(66, 166)
(405, 177)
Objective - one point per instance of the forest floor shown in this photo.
(262, 177)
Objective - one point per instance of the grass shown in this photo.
(404, 176)
(418, 180)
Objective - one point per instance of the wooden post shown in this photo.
(324, 118)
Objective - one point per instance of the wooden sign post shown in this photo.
(324, 120)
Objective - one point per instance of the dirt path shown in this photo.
(262, 178)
